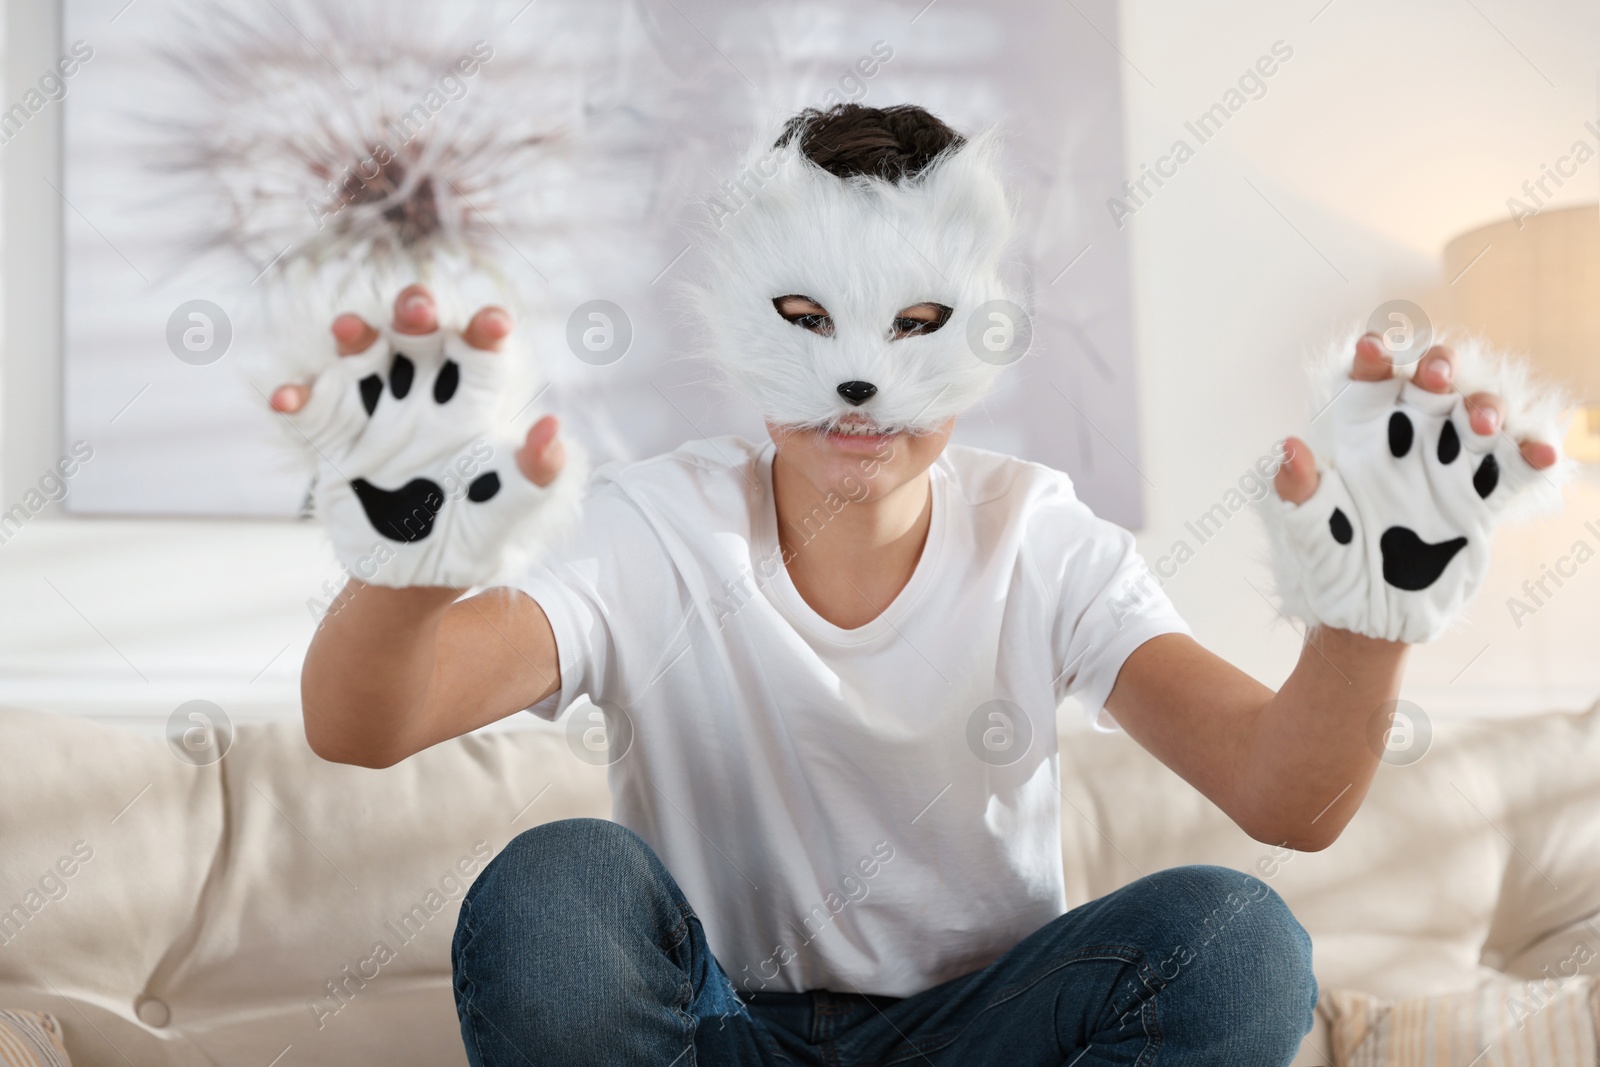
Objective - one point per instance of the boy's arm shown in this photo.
(392, 671)
(1289, 767)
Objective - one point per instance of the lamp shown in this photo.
(1532, 285)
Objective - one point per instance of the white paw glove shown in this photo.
(1394, 542)
(413, 484)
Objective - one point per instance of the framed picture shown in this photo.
(174, 337)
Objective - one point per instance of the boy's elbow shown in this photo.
(1313, 842)
(335, 750)
(1300, 838)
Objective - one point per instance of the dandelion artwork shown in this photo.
(251, 168)
(237, 172)
(351, 147)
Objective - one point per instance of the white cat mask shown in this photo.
(864, 248)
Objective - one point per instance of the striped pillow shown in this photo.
(1552, 1023)
(31, 1039)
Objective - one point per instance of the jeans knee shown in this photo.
(561, 881)
(1240, 916)
(1233, 932)
(563, 850)
(560, 869)
(573, 921)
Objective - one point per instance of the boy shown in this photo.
(830, 665)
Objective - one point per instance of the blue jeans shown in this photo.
(575, 946)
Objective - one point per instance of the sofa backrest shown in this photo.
(227, 912)
(272, 900)
(1455, 865)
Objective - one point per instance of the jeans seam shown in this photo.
(823, 1013)
(687, 1057)
(1120, 953)
(675, 936)
(467, 987)
(1152, 1032)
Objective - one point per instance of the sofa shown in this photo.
(272, 909)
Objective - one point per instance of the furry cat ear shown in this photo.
(967, 194)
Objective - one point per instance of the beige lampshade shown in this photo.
(1533, 287)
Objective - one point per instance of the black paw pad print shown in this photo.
(407, 514)
(1409, 561)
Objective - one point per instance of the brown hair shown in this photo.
(892, 143)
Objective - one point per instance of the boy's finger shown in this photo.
(1372, 362)
(1539, 454)
(414, 311)
(289, 399)
(543, 455)
(488, 329)
(1436, 370)
(1486, 413)
(352, 334)
(1297, 478)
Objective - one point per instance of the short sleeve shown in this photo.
(1109, 604)
(609, 589)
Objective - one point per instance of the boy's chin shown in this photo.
(858, 442)
(859, 465)
(865, 442)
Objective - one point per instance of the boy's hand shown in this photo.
(412, 483)
(543, 453)
(1392, 538)
(1292, 767)
(1297, 479)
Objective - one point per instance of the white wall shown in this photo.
(1392, 129)
(118, 618)
(1384, 135)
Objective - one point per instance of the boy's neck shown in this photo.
(849, 562)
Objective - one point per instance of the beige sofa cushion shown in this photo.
(364, 872)
(211, 937)
(1441, 863)
(149, 825)
(1500, 1024)
(1549, 783)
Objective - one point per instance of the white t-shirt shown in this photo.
(870, 810)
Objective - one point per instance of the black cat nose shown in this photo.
(857, 392)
